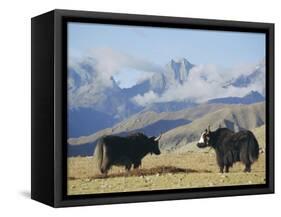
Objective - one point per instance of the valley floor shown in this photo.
(166, 171)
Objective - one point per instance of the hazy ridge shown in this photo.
(180, 128)
(237, 117)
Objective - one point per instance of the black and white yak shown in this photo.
(231, 147)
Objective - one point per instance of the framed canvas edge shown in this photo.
(60, 199)
(42, 104)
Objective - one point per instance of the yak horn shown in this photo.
(157, 138)
(209, 128)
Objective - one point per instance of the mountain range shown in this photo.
(236, 118)
(94, 106)
(178, 128)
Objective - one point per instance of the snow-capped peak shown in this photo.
(178, 70)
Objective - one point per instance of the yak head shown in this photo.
(155, 144)
(205, 139)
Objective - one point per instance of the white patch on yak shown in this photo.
(201, 140)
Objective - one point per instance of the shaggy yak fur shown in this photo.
(231, 147)
(124, 151)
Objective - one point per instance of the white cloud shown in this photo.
(110, 62)
(92, 74)
(205, 82)
(145, 99)
(96, 70)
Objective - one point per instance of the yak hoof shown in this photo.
(247, 170)
(103, 171)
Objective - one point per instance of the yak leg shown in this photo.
(128, 167)
(220, 161)
(227, 168)
(247, 168)
(228, 160)
(137, 165)
(247, 164)
(221, 168)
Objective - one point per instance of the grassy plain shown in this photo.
(166, 171)
(186, 167)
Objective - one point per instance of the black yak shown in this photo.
(124, 151)
(231, 147)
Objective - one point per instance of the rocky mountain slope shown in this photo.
(180, 128)
(90, 94)
(237, 117)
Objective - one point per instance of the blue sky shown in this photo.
(160, 45)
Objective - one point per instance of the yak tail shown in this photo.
(253, 148)
(99, 153)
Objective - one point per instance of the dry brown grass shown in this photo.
(166, 171)
(142, 172)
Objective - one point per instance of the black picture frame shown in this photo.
(49, 101)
